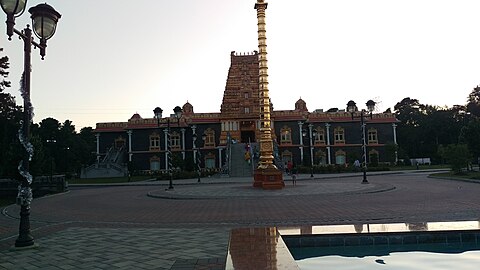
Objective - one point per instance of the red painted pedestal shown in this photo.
(270, 178)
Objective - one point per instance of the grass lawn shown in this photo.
(421, 167)
(6, 201)
(109, 180)
(472, 175)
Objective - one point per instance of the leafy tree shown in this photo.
(10, 115)
(423, 128)
(410, 113)
(390, 150)
(458, 156)
(473, 104)
(470, 135)
(4, 65)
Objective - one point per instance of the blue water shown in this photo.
(386, 259)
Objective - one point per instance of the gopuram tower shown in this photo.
(267, 175)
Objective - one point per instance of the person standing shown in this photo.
(293, 173)
(289, 167)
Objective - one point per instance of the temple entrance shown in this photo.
(247, 131)
(248, 136)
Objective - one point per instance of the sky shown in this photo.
(110, 59)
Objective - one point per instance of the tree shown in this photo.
(469, 135)
(390, 150)
(10, 115)
(458, 156)
(410, 113)
(4, 65)
(473, 104)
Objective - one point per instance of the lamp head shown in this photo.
(178, 112)
(13, 9)
(44, 20)
(351, 106)
(204, 136)
(158, 112)
(370, 105)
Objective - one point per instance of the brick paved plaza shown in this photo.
(120, 227)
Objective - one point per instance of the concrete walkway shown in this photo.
(120, 227)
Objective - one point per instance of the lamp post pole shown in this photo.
(178, 114)
(44, 31)
(364, 149)
(197, 156)
(169, 149)
(352, 108)
(313, 134)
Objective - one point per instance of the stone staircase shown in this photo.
(239, 167)
(112, 165)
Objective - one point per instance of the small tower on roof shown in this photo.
(301, 105)
(187, 108)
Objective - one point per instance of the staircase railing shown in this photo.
(107, 156)
(226, 168)
(276, 157)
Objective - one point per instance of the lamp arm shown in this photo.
(22, 35)
(42, 45)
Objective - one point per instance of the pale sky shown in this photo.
(112, 58)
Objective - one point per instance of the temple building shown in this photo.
(247, 128)
(301, 136)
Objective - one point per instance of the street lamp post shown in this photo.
(44, 22)
(312, 133)
(352, 108)
(51, 142)
(178, 114)
(197, 156)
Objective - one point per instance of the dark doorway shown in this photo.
(248, 136)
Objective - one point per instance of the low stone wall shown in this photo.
(41, 185)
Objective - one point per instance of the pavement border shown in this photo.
(165, 194)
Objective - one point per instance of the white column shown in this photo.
(310, 129)
(165, 131)
(300, 124)
(327, 126)
(194, 128)
(97, 136)
(394, 126)
(394, 133)
(129, 145)
(220, 158)
(183, 143)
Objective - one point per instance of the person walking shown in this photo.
(293, 173)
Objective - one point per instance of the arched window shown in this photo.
(210, 160)
(286, 135)
(286, 156)
(119, 142)
(339, 135)
(154, 141)
(372, 136)
(373, 156)
(320, 157)
(210, 138)
(320, 138)
(340, 157)
(175, 140)
(154, 163)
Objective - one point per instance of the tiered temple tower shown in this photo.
(267, 175)
(240, 107)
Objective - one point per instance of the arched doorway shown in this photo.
(247, 131)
